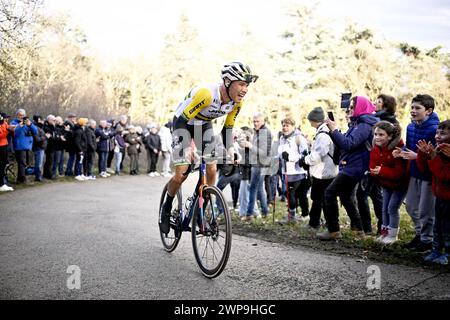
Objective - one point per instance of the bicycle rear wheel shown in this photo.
(211, 234)
(171, 240)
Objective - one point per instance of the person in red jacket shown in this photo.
(437, 160)
(3, 151)
(391, 174)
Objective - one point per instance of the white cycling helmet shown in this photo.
(237, 71)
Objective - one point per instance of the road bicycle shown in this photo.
(205, 214)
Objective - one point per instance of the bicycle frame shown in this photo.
(198, 192)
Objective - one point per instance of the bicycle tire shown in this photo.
(171, 240)
(216, 233)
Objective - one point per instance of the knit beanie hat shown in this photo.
(316, 115)
(83, 121)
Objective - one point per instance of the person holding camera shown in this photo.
(291, 148)
(24, 130)
(355, 147)
(4, 132)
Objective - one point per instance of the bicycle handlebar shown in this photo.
(209, 157)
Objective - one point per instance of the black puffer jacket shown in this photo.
(39, 139)
(79, 139)
(90, 139)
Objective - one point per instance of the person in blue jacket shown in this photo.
(354, 146)
(24, 130)
(420, 199)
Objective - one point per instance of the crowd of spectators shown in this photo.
(369, 159)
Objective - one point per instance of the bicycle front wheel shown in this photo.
(170, 240)
(211, 233)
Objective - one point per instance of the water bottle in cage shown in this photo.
(188, 203)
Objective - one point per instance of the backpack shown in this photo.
(336, 153)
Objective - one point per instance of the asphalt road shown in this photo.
(108, 230)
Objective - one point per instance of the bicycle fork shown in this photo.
(201, 200)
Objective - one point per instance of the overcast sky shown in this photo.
(118, 28)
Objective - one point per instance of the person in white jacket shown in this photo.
(166, 148)
(321, 165)
(290, 149)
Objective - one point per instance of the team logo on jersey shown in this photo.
(197, 106)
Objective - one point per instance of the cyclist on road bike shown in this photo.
(192, 120)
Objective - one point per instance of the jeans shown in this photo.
(102, 159)
(257, 190)
(392, 200)
(273, 188)
(88, 163)
(166, 162)
(58, 162)
(344, 187)
(420, 206)
(234, 180)
(373, 190)
(38, 159)
(70, 163)
(441, 230)
(244, 192)
(118, 158)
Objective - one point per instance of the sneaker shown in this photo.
(383, 234)
(103, 175)
(167, 175)
(442, 259)
(414, 243)
(303, 218)
(79, 178)
(5, 188)
(156, 174)
(287, 219)
(327, 236)
(92, 177)
(151, 174)
(164, 220)
(109, 170)
(432, 256)
(423, 247)
(108, 174)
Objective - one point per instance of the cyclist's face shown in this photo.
(238, 90)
